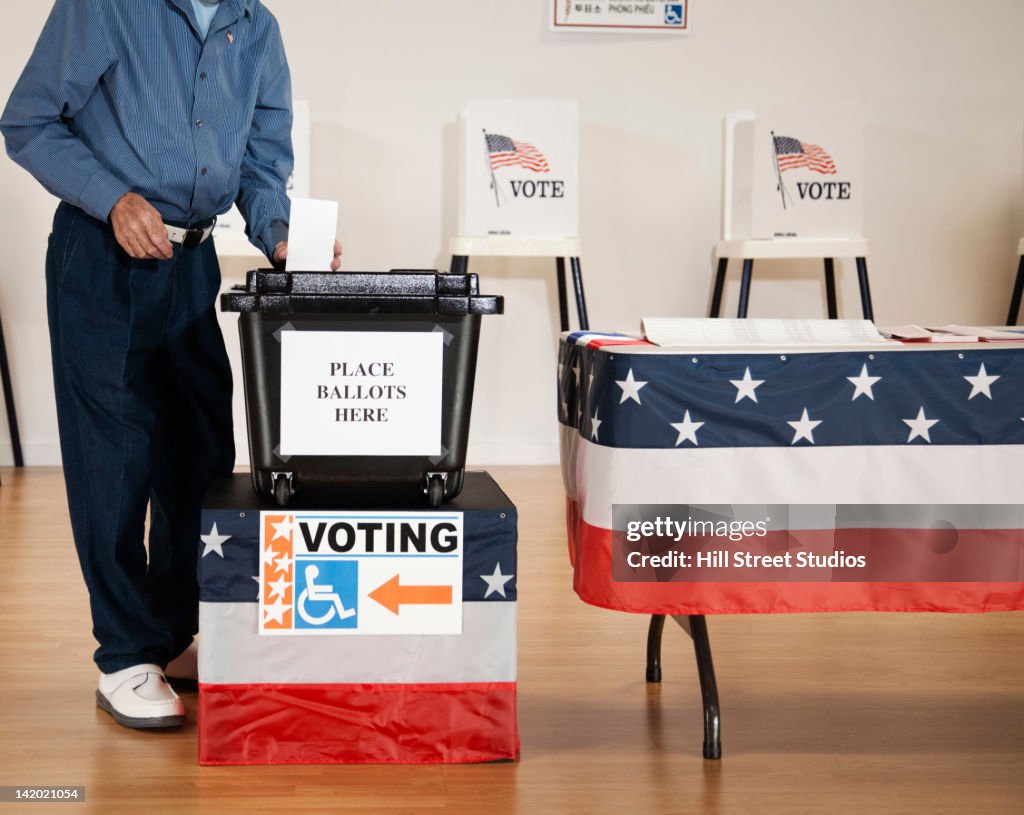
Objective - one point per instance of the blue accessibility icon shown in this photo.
(673, 14)
(327, 592)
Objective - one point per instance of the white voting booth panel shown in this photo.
(787, 197)
(808, 173)
(519, 169)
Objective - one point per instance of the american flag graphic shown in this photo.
(506, 152)
(792, 154)
(891, 429)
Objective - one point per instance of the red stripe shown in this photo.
(814, 158)
(600, 343)
(357, 724)
(590, 552)
(504, 159)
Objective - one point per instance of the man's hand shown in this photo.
(281, 255)
(139, 229)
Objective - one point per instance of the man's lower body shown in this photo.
(143, 388)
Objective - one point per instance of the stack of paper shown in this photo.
(951, 333)
(690, 332)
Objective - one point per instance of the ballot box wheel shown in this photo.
(283, 488)
(435, 490)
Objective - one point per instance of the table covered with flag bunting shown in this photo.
(377, 698)
(889, 426)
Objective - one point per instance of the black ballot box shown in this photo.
(363, 635)
(359, 385)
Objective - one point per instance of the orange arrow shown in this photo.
(392, 594)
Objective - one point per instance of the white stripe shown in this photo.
(916, 474)
(232, 652)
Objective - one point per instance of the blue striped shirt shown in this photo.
(125, 95)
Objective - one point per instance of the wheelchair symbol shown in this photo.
(674, 14)
(322, 593)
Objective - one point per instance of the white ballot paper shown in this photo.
(699, 331)
(311, 235)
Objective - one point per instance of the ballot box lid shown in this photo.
(400, 291)
(479, 491)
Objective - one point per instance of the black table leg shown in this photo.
(654, 647)
(12, 416)
(1018, 290)
(830, 288)
(460, 263)
(716, 294)
(865, 289)
(581, 303)
(697, 627)
(563, 305)
(748, 270)
(708, 687)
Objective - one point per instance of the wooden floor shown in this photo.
(845, 714)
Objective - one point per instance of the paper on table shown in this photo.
(697, 331)
(911, 332)
(984, 334)
(311, 235)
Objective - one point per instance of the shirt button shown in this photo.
(202, 75)
(199, 122)
(203, 171)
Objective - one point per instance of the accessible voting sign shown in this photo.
(361, 573)
(519, 169)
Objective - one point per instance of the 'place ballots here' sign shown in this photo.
(361, 393)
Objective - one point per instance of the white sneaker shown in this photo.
(140, 697)
(185, 665)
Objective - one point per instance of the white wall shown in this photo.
(940, 82)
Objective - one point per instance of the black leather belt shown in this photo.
(189, 238)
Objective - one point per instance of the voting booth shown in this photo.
(792, 188)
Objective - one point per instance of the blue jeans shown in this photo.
(143, 388)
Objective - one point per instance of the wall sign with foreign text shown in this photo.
(610, 17)
(361, 393)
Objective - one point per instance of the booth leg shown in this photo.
(581, 303)
(563, 304)
(865, 289)
(1018, 290)
(748, 271)
(830, 288)
(654, 647)
(12, 418)
(716, 294)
